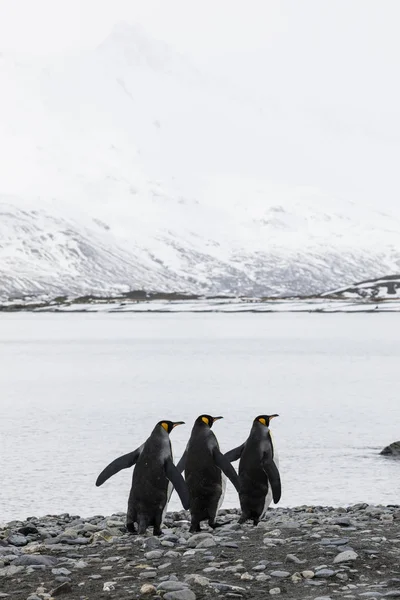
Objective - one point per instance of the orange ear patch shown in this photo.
(205, 420)
(165, 425)
(263, 421)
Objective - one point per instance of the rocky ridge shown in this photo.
(311, 553)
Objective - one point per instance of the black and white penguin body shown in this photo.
(258, 471)
(205, 467)
(152, 480)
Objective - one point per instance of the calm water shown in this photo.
(76, 391)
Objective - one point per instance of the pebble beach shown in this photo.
(307, 552)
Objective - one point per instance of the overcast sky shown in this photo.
(332, 65)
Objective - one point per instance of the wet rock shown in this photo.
(392, 449)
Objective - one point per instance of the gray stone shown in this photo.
(280, 574)
(28, 560)
(197, 579)
(61, 571)
(11, 571)
(153, 554)
(195, 539)
(151, 543)
(348, 555)
(172, 586)
(259, 568)
(17, 539)
(180, 595)
(293, 558)
(325, 573)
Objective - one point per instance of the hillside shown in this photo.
(128, 168)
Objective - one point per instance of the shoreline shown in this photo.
(305, 552)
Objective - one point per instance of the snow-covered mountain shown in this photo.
(127, 168)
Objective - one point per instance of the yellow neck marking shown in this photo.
(165, 425)
(205, 420)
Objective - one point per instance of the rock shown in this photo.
(325, 573)
(153, 554)
(16, 539)
(197, 538)
(151, 543)
(11, 571)
(109, 586)
(275, 591)
(197, 580)
(64, 588)
(180, 595)
(28, 530)
(147, 589)
(61, 571)
(259, 568)
(392, 449)
(28, 560)
(293, 558)
(348, 555)
(308, 574)
(172, 586)
(280, 574)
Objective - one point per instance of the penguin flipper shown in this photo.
(182, 462)
(223, 463)
(173, 474)
(234, 454)
(271, 471)
(123, 462)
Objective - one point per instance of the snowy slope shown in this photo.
(128, 168)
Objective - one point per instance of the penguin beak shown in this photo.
(178, 423)
(273, 416)
(217, 419)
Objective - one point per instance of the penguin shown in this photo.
(203, 462)
(153, 478)
(259, 477)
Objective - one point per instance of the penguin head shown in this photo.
(207, 420)
(169, 425)
(264, 419)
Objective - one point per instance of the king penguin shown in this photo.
(258, 471)
(151, 490)
(203, 462)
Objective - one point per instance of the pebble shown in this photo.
(74, 556)
(148, 589)
(172, 586)
(153, 554)
(348, 555)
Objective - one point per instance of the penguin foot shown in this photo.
(131, 528)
